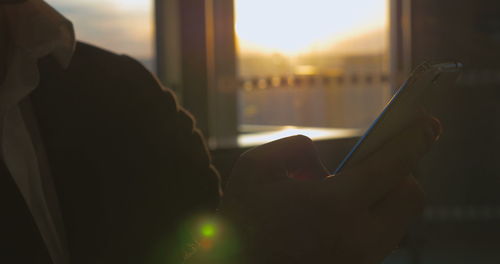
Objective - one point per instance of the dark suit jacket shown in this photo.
(128, 164)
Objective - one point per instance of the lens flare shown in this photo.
(208, 230)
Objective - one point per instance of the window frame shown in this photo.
(196, 58)
(202, 71)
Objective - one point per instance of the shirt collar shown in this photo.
(37, 30)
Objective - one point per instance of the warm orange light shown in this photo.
(294, 26)
(206, 243)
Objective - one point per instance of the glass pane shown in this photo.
(122, 26)
(311, 63)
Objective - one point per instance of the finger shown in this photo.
(393, 215)
(294, 157)
(437, 126)
(367, 182)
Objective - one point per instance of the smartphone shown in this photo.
(402, 108)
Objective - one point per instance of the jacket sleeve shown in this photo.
(169, 133)
(129, 165)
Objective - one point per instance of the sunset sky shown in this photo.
(124, 26)
(294, 26)
(289, 27)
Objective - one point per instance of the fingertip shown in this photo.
(432, 130)
(437, 127)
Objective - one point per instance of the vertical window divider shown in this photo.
(195, 45)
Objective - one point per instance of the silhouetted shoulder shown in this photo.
(120, 146)
(96, 63)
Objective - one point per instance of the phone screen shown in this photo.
(402, 108)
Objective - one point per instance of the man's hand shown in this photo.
(286, 207)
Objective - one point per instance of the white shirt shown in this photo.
(37, 31)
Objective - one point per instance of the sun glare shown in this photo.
(132, 4)
(294, 26)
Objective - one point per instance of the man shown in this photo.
(100, 165)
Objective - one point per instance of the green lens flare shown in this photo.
(208, 230)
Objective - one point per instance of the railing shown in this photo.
(307, 81)
(349, 100)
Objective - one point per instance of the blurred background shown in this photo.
(255, 70)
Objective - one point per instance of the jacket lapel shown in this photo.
(20, 240)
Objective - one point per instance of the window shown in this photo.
(122, 26)
(254, 66)
(311, 63)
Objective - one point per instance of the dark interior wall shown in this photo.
(461, 176)
(464, 167)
